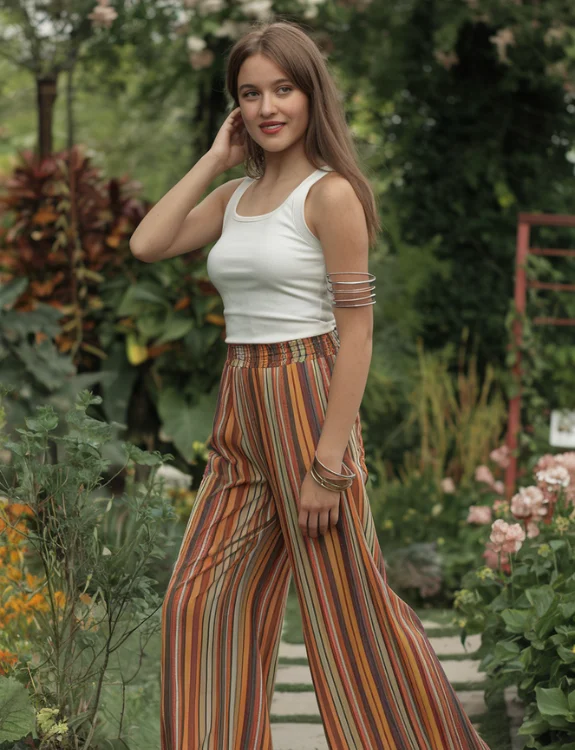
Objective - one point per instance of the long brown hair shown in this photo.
(328, 139)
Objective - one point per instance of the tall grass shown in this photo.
(460, 415)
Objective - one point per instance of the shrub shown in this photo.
(525, 607)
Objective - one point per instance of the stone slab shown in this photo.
(463, 671)
(452, 644)
(515, 711)
(293, 674)
(293, 650)
(473, 701)
(456, 671)
(298, 737)
(290, 704)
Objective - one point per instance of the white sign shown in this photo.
(562, 432)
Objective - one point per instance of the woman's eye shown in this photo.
(247, 94)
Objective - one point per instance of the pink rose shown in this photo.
(483, 474)
(479, 514)
(492, 557)
(500, 456)
(527, 502)
(515, 538)
(499, 531)
(554, 478)
(448, 486)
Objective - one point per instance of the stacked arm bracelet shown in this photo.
(338, 483)
(336, 288)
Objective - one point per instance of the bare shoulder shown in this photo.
(227, 189)
(334, 192)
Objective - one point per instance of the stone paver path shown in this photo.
(296, 722)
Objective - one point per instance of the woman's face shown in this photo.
(266, 93)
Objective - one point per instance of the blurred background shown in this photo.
(463, 114)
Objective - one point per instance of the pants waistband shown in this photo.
(283, 352)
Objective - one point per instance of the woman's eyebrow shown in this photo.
(253, 86)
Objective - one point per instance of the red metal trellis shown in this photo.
(524, 224)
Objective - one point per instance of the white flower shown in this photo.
(102, 16)
(203, 59)
(310, 12)
(529, 501)
(211, 6)
(231, 29)
(258, 8)
(174, 477)
(554, 477)
(196, 44)
(448, 485)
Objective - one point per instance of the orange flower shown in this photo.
(60, 599)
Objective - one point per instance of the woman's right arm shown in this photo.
(175, 224)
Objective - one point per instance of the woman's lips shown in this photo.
(271, 129)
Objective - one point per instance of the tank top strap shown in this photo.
(298, 204)
(235, 198)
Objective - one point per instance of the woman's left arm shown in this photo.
(341, 227)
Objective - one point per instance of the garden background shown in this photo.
(463, 115)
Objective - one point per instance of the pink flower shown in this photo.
(506, 537)
(529, 501)
(492, 556)
(567, 461)
(515, 538)
(500, 506)
(479, 514)
(499, 487)
(103, 16)
(483, 474)
(499, 531)
(448, 486)
(554, 478)
(532, 529)
(500, 456)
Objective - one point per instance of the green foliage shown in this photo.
(423, 530)
(16, 713)
(79, 310)
(526, 621)
(470, 131)
(98, 575)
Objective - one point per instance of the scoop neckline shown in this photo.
(239, 217)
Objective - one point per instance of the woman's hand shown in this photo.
(318, 508)
(229, 146)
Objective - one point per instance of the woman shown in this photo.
(284, 487)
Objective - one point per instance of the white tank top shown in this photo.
(270, 271)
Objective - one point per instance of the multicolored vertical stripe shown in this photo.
(378, 682)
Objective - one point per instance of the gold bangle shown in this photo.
(329, 485)
(326, 486)
(331, 471)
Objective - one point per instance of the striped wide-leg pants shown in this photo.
(378, 682)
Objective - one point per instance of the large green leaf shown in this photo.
(516, 620)
(175, 328)
(139, 297)
(16, 710)
(541, 598)
(10, 292)
(182, 423)
(551, 701)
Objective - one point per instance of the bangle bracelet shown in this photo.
(327, 484)
(331, 471)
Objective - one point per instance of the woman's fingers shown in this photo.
(315, 523)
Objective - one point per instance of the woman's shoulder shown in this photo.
(326, 193)
(227, 189)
